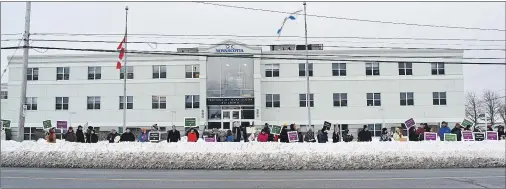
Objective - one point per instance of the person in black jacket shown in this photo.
(112, 135)
(267, 130)
(127, 136)
(283, 136)
(501, 135)
(336, 137)
(93, 137)
(347, 137)
(88, 134)
(458, 131)
(173, 135)
(412, 134)
(364, 135)
(323, 136)
(80, 134)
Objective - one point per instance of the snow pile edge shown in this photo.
(255, 156)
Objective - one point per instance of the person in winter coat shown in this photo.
(412, 134)
(426, 127)
(458, 131)
(88, 134)
(347, 137)
(93, 137)
(173, 135)
(398, 134)
(300, 136)
(489, 128)
(262, 136)
(230, 137)
(112, 135)
(143, 136)
(385, 136)
(80, 134)
(51, 136)
(127, 136)
(364, 135)
(283, 136)
(501, 135)
(323, 136)
(444, 129)
(192, 136)
(309, 136)
(336, 136)
(70, 136)
(420, 131)
(222, 136)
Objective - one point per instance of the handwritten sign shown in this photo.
(429, 136)
(466, 123)
(61, 124)
(409, 123)
(478, 136)
(47, 124)
(467, 136)
(491, 135)
(276, 130)
(209, 139)
(450, 137)
(293, 136)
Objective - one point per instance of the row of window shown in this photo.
(339, 69)
(341, 99)
(94, 102)
(95, 73)
(4, 95)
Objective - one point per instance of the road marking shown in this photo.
(249, 180)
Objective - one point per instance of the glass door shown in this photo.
(229, 116)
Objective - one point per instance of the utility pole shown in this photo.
(308, 97)
(125, 72)
(22, 99)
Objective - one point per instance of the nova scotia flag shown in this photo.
(291, 17)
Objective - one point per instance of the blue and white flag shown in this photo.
(291, 17)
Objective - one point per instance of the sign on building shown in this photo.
(190, 121)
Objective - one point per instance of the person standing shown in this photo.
(444, 129)
(385, 136)
(283, 136)
(80, 134)
(143, 137)
(364, 135)
(51, 136)
(93, 137)
(112, 135)
(262, 136)
(398, 134)
(173, 135)
(127, 136)
(70, 136)
(192, 136)
(309, 136)
(457, 130)
(347, 137)
(323, 136)
(88, 134)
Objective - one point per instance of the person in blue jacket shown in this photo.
(144, 136)
(442, 130)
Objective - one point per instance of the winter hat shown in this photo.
(143, 130)
(90, 127)
(365, 126)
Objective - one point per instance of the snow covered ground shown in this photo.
(253, 155)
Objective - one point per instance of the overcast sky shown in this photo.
(193, 18)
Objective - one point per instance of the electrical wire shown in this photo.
(268, 36)
(10, 59)
(260, 45)
(356, 19)
(230, 55)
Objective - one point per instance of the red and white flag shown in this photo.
(121, 54)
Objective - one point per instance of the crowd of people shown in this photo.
(239, 134)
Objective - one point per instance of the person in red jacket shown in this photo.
(262, 137)
(192, 136)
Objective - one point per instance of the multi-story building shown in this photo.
(236, 82)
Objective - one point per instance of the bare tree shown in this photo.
(491, 105)
(502, 112)
(473, 107)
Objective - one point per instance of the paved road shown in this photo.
(97, 178)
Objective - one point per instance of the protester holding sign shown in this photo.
(420, 131)
(112, 135)
(398, 134)
(283, 136)
(442, 130)
(143, 136)
(51, 136)
(458, 131)
(323, 136)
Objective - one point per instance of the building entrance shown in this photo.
(223, 117)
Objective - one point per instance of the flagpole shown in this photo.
(308, 97)
(125, 73)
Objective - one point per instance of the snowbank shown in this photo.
(278, 156)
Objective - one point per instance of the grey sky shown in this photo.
(193, 18)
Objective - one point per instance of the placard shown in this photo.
(293, 136)
(450, 137)
(47, 124)
(209, 139)
(430, 136)
(491, 135)
(276, 130)
(154, 136)
(251, 137)
(479, 136)
(467, 123)
(409, 123)
(467, 136)
(61, 124)
(6, 123)
(327, 125)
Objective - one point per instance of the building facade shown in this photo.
(236, 82)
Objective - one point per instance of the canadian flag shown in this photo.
(121, 53)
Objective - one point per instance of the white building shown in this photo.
(351, 87)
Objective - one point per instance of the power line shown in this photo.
(10, 59)
(268, 36)
(356, 19)
(232, 55)
(261, 45)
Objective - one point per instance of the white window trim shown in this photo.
(271, 68)
(439, 99)
(29, 103)
(439, 65)
(406, 98)
(374, 129)
(4, 94)
(130, 100)
(193, 100)
(373, 67)
(128, 72)
(195, 68)
(406, 67)
(339, 69)
(159, 71)
(272, 100)
(94, 102)
(374, 99)
(308, 100)
(31, 71)
(339, 99)
(159, 102)
(308, 70)
(63, 73)
(94, 72)
(62, 103)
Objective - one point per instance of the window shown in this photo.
(302, 70)
(129, 71)
(374, 129)
(192, 71)
(30, 133)
(192, 101)
(340, 99)
(93, 103)
(338, 69)
(373, 99)
(130, 102)
(159, 102)
(405, 68)
(4, 95)
(272, 101)
(32, 74)
(303, 100)
(31, 103)
(407, 99)
(272, 70)
(438, 68)
(62, 103)
(94, 73)
(159, 72)
(62, 73)
(439, 98)
(372, 69)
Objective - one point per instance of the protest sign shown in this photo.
(429, 136)
(491, 135)
(450, 137)
(467, 136)
(409, 123)
(61, 124)
(276, 130)
(293, 136)
(478, 136)
(47, 124)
